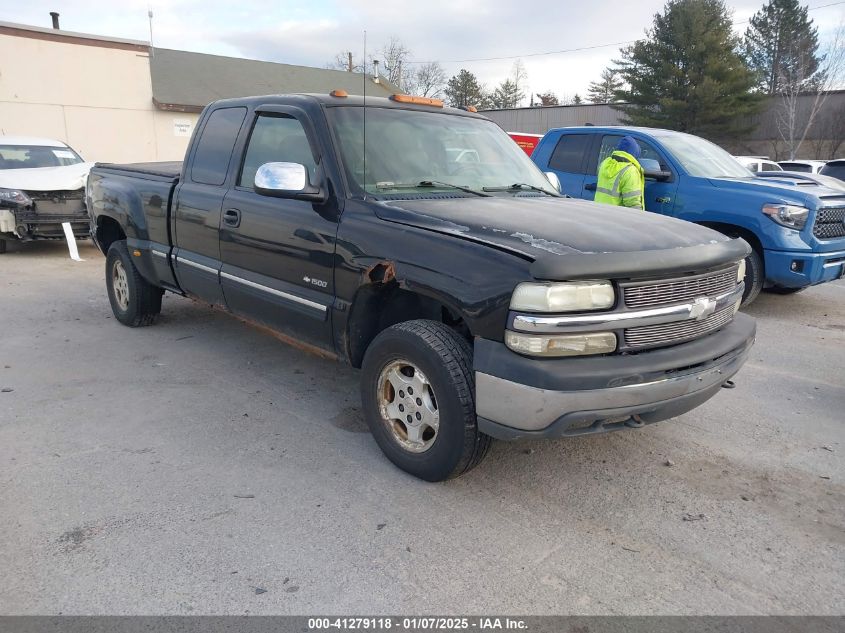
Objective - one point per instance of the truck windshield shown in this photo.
(702, 158)
(409, 150)
(35, 156)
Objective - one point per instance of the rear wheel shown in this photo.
(418, 394)
(134, 301)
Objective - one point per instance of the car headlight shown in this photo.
(789, 215)
(740, 271)
(570, 296)
(561, 344)
(14, 198)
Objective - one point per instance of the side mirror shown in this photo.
(651, 169)
(552, 178)
(286, 180)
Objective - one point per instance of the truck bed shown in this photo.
(163, 169)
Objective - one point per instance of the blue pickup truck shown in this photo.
(796, 228)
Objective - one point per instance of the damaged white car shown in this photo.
(42, 185)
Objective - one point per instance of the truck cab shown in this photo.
(796, 230)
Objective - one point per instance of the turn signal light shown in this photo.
(436, 103)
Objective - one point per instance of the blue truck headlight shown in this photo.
(550, 345)
(570, 296)
(14, 198)
(789, 215)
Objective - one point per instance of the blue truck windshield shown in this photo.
(702, 158)
(406, 148)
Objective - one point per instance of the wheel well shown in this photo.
(378, 306)
(737, 231)
(108, 232)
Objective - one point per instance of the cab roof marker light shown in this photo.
(339, 93)
(436, 103)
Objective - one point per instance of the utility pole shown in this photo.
(150, 16)
(350, 60)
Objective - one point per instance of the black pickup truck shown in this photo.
(420, 244)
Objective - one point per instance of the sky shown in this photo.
(453, 32)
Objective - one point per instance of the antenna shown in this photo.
(150, 16)
(364, 76)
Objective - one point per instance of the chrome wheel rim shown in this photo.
(408, 406)
(120, 284)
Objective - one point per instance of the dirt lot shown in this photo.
(199, 466)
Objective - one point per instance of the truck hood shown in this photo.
(66, 178)
(539, 227)
(777, 190)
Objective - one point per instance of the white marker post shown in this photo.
(71, 243)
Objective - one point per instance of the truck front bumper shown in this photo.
(797, 269)
(519, 397)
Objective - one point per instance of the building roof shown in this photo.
(187, 82)
(71, 37)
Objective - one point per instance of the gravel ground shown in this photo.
(199, 466)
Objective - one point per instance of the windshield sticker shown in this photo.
(63, 153)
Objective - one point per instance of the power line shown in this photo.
(580, 48)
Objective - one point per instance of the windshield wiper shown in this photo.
(430, 183)
(520, 186)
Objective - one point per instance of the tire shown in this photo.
(784, 291)
(134, 301)
(430, 354)
(754, 278)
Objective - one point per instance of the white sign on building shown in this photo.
(181, 127)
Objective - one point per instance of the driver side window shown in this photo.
(610, 141)
(276, 139)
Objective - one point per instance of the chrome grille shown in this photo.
(651, 294)
(670, 333)
(830, 223)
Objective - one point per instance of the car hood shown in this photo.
(66, 178)
(537, 227)
(784, 190)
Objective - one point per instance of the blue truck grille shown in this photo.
(830, 223)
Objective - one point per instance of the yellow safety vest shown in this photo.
(621, 181)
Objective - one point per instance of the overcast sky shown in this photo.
(312, 32)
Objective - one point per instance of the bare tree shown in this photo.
(345, 60)
(519, 76)
(394, 57)
(428, 80)
(805, 93)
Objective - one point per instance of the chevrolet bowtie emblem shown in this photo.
(702, 308)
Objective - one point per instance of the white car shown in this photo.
(804, 166)
(758, 163)
(42, 185)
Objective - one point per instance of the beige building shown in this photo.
(116, 100)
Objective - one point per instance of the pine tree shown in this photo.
(548, 98)
(782, 45)
(464, 90)
(604, 90)
(688, 74)
(506, 95)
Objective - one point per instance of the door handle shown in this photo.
(590, 187)
(663, 199)
(232, 217)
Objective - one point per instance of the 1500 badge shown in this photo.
(315, 282)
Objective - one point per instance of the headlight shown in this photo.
(14, 197)
(568, 296)
(561, 344)
(740, 272)
(789, 215)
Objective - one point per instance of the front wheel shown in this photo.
(754, 277)
(418, 394)
(784, 291)
(134, 301)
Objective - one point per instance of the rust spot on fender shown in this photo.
(382, 273)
